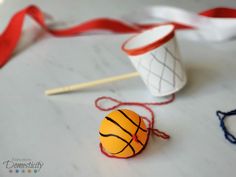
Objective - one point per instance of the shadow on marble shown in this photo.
(200, 78)
(155, 147)
(29, 38)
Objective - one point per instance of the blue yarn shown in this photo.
(222, 116)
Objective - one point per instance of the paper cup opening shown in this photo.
(148, 40)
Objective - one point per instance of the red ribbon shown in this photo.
(11, 35)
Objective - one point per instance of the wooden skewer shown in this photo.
(75, 87)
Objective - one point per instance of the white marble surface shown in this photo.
(62, 131)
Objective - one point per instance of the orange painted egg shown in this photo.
(123, 133)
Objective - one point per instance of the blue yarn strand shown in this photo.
(222, 116)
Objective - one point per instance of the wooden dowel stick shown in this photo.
(75, 87)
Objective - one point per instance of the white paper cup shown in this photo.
(155, 55)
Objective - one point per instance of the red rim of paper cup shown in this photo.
(145, 48)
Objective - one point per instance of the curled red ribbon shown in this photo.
(11, 35)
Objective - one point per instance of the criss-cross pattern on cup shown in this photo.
(151, 72)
